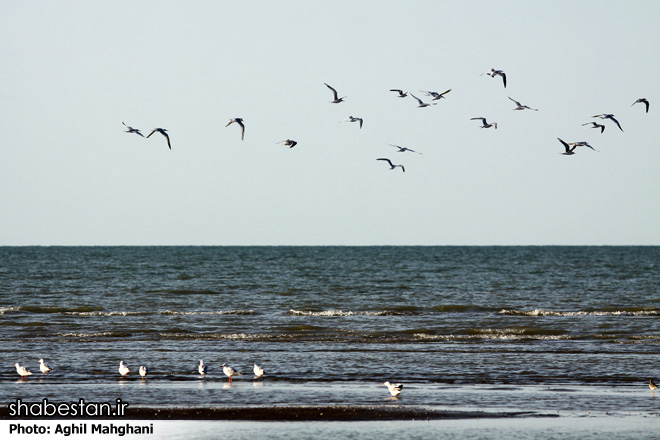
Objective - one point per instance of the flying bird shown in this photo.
(582, 144)
(401, 93)
(596, 125)
(230, 371)
(642, 100)
(485, 124)
(130, 129)
(202, 368)
(123, 369)
(392, 166)
(161, 131)
(653, 386)
(22, 371)
(353, 119)
(610, 117)
(436, 95)
(569, 151)
(395, 388)
(404, 149)
(289, 143)
(143, 371)
(239, 121)
(336, 99)
(522, 107)
(422, 103)
(43, 366)
(258, 371)
(492, 72)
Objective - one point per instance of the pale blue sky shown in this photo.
(72, 71)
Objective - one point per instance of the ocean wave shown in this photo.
(94, 335)
(162, 312)
(50, 309)
(335, 312)
(541, 312)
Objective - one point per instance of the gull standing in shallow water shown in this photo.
(644, 101)
(569, 151)
(404, 149)
(610, 117)
(202, 368)
(143, 371)
(230, 371)
(352, 119)
(162, 131)
(392, 166)
(395, 388)
(485, 124)
(239, 121)
(492, 72)
(123, 369)
(422, 103)
(258, 371)
(43, 366)
(595, 125)
(22, 371)
(289, 143)
(653, 386)
(336, 99)
(130, 129)
(522, 107)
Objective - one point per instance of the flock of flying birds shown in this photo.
(569, 147)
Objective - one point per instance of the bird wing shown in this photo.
(168, 139)
(517, 103)
(483, 120)
(617, 122)
(418, 100)
(503, 75)
(387, 160)
(566, 146)
(334, 92)
(152, 132)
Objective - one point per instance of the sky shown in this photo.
(73, 71)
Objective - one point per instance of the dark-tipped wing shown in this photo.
(334, 92)
(386, 160)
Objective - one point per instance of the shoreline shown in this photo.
(293, 413)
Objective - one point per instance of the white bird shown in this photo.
(336, 99)
(436, 95)
(653, 386)
(239, 121)
(143, 371)
(485, 124)
(353, 119)
(132, 130)
(610, 117)
(123, 369)
(162, 131)
(422, 103)
(230, 371)
(644, 101)
(258, 371)
(22, 371)
(392, 166)
(395, 388)
(492, 72)
(595, 125)
(569, 151)
(43, 366)
(522, 107)
(289, 143)
(202, 368)
(401, 93)
(404, 149)
(582, 144)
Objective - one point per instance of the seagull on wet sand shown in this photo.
(289, 143)
(392, 166)
(22, 371)
(130, 129)
(610, 117)
(422, 103)
(336, 99)
(202, 368)
(569, 151)
(239, 121)
(596, 125)
(522, 107)
(123, 369)
(401, 93)
(436, 95)
(353, 119)
(644, 101)
(492, 72)
(143, 371)
(258, 371)
(230, 371)
(485, 124)
(43, 366)
(162, 131)
(653, 386)
(404, 149)
(395, 388)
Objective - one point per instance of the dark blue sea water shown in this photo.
(544, 329)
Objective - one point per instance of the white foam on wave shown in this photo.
(541, 312)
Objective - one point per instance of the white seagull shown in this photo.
(610, 117)
(595, 125)
(22, 371)
(239, 121)
(392, 166)
(492, 72)
(352, 119)
(43, 366)
(202, 368)
(336, 99)
(644, 101)
(522, 107)
(289, 143)
(401, 93)
(258, 371)
(395, 388)
(422, 103)
(123, 369)
(569, 151)
(485, 124)
(230, 371)
(404, 149)
(143, 371)
(162, 131)
(436, 95)
(130, 129)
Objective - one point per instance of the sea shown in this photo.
(571, 332)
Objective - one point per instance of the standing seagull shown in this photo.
(289, 143)
(353, 119)
(522, 107)
(143, 371)
(43, 366)
(401, 93)
(596, 125)
(422, 103)
(202, 368)
(130, 129)
(392, 166)
(123, 369)
(239, 121)
(162, 131)
(492, 72)
(436, 95)
(643, 100)
(395, 388)
(230, 371)
(485, 124)
(404, 149)
(569, 150)
(258, 371)
(22, 371)
(653, 386)
(610, 117)
(336, 99)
